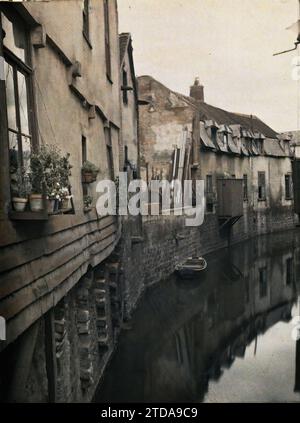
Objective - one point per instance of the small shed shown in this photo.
(230, 197)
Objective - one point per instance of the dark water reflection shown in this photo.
(225, 337)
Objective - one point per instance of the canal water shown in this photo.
(228, 336)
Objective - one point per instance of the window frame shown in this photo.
(263, 281)
(125, 86)
(86, 21)
(225, 140)
(289, 277)
(209, 184)
(24, 68)
(109, 153)
(288, 193)
(245, 187)
(262, 196)
(107, 40)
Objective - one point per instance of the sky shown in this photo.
(229, 44)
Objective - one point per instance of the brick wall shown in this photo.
(165, 241)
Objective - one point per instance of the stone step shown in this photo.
(99, 293)
(103, 341)
(113, 267)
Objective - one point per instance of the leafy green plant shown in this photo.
(20, 184)
(89, 167)
(50, 169)
(87, 201)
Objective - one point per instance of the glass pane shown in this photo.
(10, 96)
(13, 152)
(26, 149)
(22, 87)
(14, 37)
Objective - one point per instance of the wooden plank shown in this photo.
(30, 314)
(12, 304)
(40, 268)
(21, 253)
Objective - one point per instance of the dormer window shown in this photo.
(214, 132)
(225, 139)
(124, 86)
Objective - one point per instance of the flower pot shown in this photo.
(50, 205)
(19, 203)
(36, 202)
(88, 177)
(66, 203)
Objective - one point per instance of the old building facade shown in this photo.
(69, 95)
(184, 137)
(60, 88)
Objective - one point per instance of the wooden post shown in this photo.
(4, 144)
(50, 351)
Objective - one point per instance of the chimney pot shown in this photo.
(197, 90)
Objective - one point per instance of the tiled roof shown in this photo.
(272, 148)
(223, 117)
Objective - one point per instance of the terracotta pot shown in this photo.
(50, 205)
(19, 203)
(88, 177)
(36, 202)
(66, 203)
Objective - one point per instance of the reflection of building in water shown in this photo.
(297, 372)
(205, 325)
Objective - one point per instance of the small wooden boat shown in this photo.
(191, 268)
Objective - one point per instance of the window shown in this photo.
(289, 271)
(288, 187)
(84, 159)
(18, 95)
(225, 139)
(263, 283)
(245, 187)
(261, 185)
(259, 145)
(214, 132)
(86, 20)
(124, 87)
(83, 149)
(209, 184)
(107, 39)
(209, 192)
(110, 160)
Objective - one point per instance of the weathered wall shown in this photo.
(202, 326)
(130, 115)
(161, 127)
(166, 241)
(42, 260)
(63, 355)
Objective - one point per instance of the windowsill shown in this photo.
(85, 36)
(288, 198)
(42, 215)
(29, 215)
(87, 209)
(261, 199)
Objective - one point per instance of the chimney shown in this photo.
(197, 90)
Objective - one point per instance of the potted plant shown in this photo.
(50, 173)
(37, 182)
(65, 198)
(89, 172)
(20, 190)
(87, 201)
